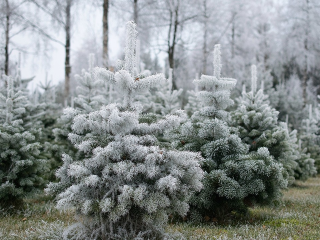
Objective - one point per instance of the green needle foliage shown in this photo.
(21, 168)
(233, 178)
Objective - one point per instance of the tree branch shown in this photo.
(48, 12)
(41, 30)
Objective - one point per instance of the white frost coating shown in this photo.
(169, 182)
(92, 180)
(77, 171)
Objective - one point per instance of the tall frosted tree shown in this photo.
(125, 186)
(20, 165)
(258, 126)
(232, 177)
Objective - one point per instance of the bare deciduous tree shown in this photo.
(105, 54)
(13, 24)
(172, 16)
(60, 13)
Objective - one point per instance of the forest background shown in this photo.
(54, 39)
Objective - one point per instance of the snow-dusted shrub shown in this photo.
(124, 186)
(21, 167)
(233, 177)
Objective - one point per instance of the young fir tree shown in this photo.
(20, 166)
(48, 116)
(50, 108)
(306, 165)
(89, 98)
(258, 126)
(193, 101)
(267, 85)
(125, 186)
(167, 99)
(309, 135)
(233, 178)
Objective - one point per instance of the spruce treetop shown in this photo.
(127, 80)
(215, 95)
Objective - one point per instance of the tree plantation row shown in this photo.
(127, 159)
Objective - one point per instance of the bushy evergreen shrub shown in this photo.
(124, 186)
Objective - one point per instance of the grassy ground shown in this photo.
(298, 217)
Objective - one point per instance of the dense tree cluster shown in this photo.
(131, 148)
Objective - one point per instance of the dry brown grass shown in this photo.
(297, 217)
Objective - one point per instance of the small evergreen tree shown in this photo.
(89, 98)
(48, 113)
(258, 126)
(309, 135)
(124, 186)
(168, 99)
(232, 177)
(20, 165)
(306, 165)
(194, 104)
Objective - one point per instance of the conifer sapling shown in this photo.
(124, 186)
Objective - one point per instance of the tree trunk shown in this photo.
(135, 11)
(233, 41)
(172, 45)
(67, 51)
(6, 48)
(105, 53)
(205, 36)
(306, 49)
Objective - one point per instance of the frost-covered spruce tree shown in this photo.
(167, 99)
(258, 126)
(306, 165)
(266, 83)
(125, 186)
(194, 104)
(233, 178)
(309, 135)
(89, 98)
(48, 113)
(20, 165)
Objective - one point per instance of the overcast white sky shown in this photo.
(89, 22)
